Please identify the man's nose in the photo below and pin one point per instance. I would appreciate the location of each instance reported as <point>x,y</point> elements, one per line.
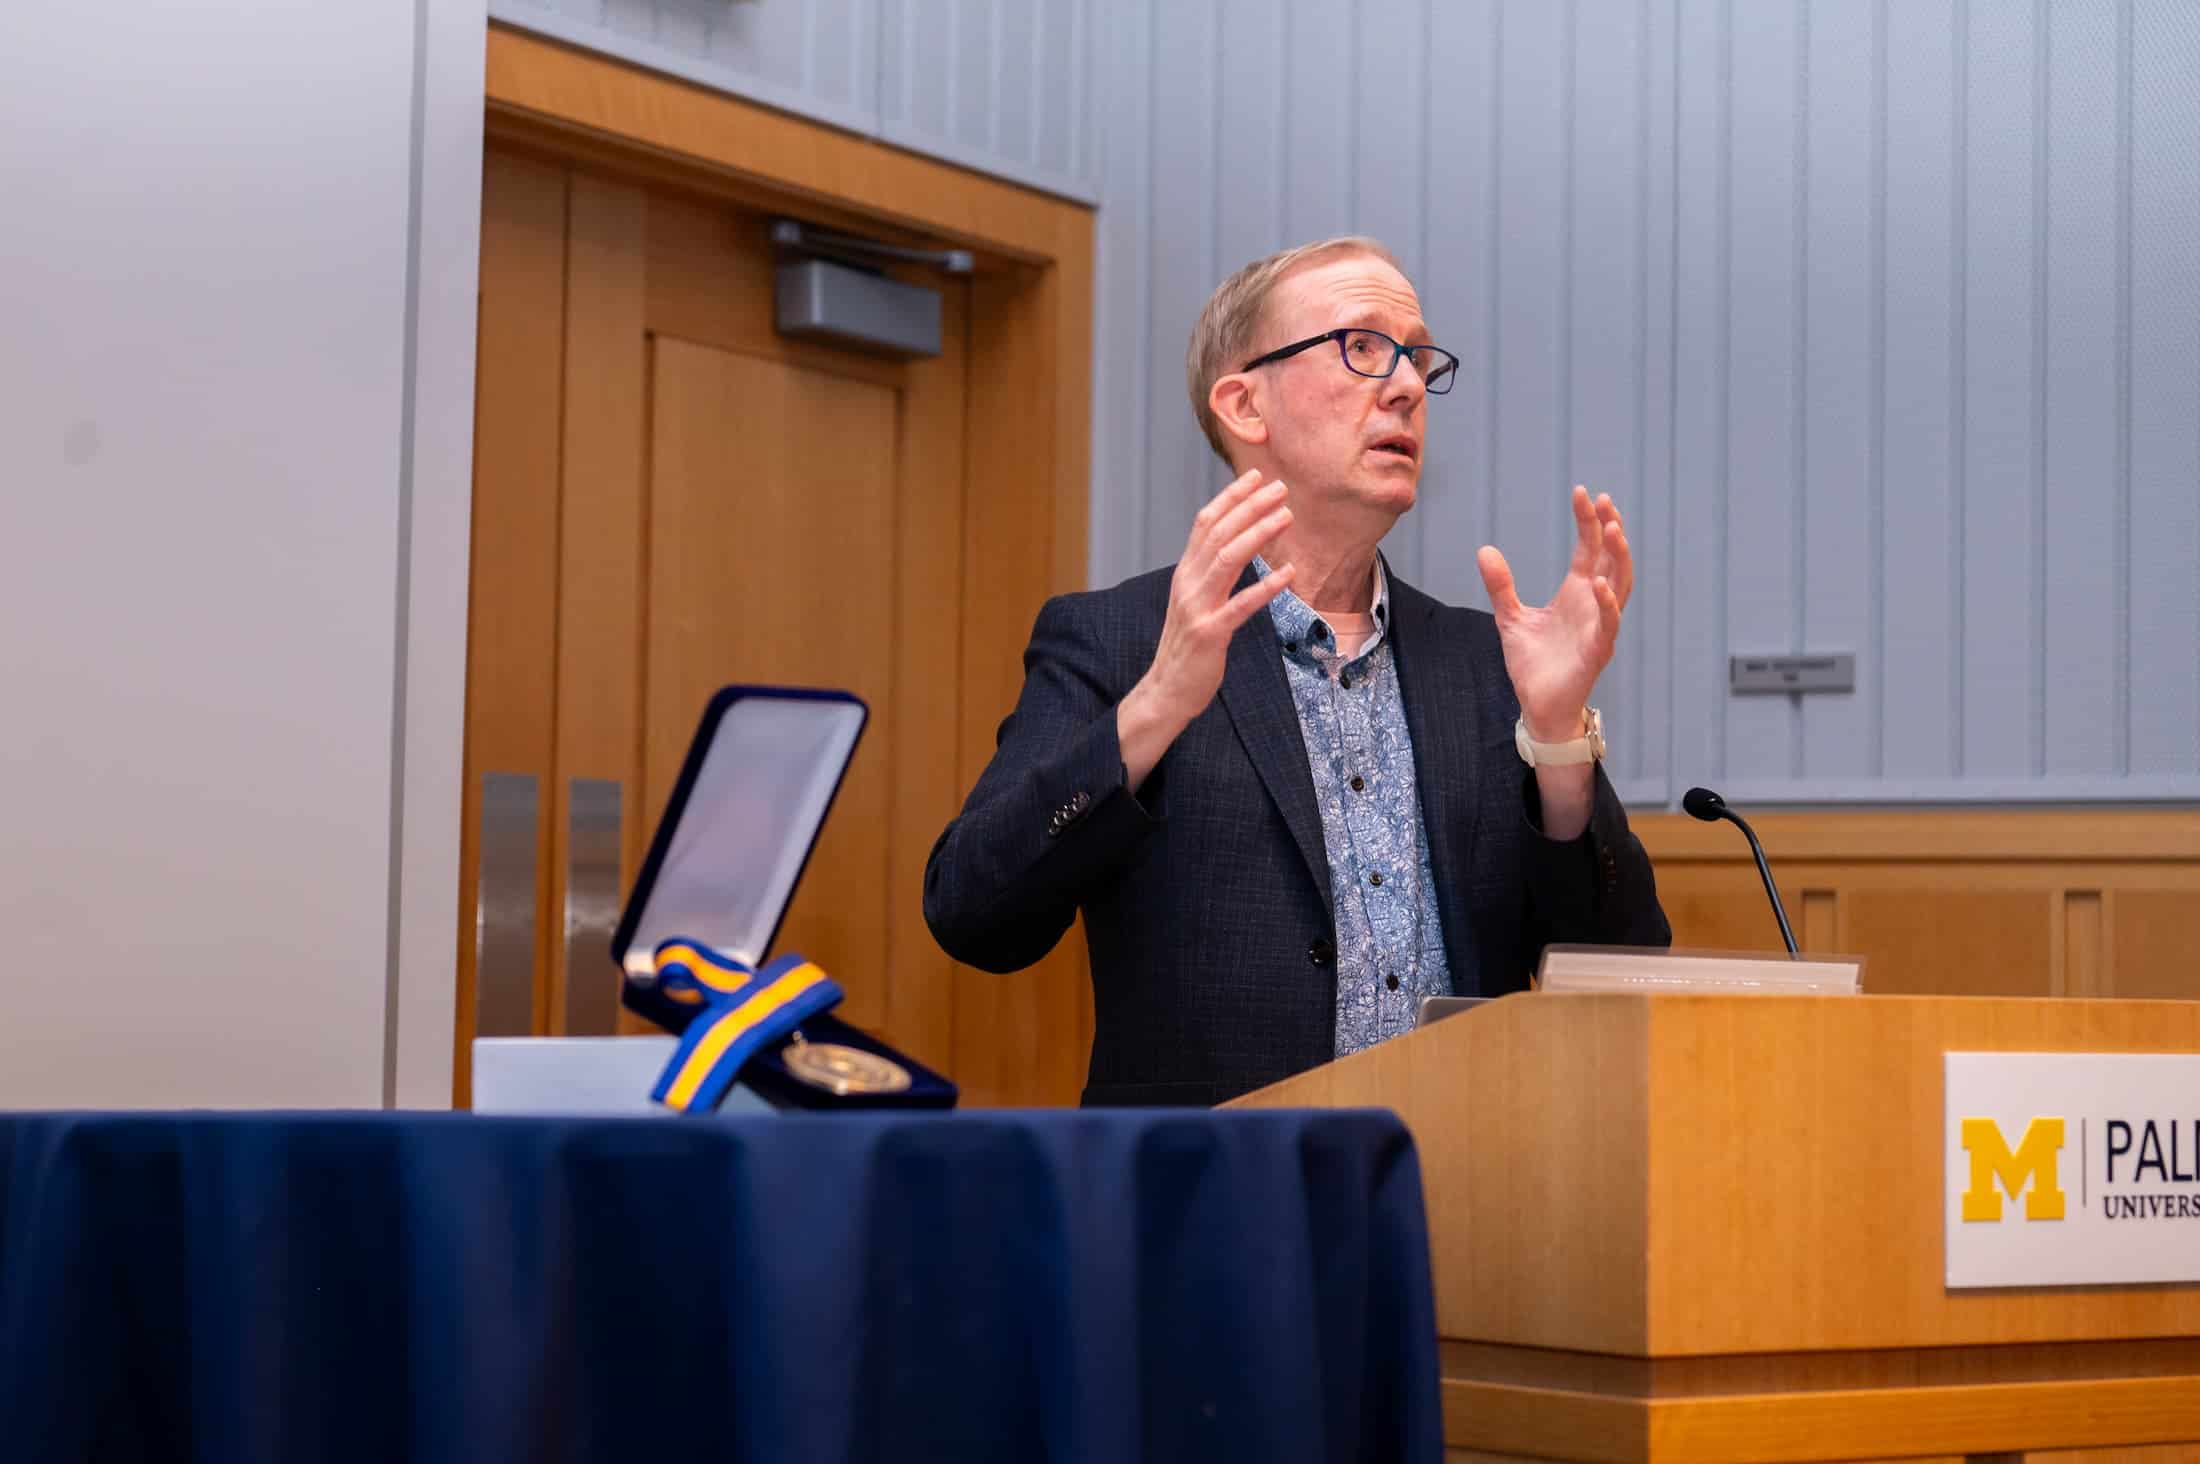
<point>1403,388</point>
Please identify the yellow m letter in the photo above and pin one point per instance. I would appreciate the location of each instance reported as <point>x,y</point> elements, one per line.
<point>2034,1160</point>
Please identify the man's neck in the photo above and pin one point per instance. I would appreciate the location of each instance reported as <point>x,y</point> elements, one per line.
<point>1330,578</point>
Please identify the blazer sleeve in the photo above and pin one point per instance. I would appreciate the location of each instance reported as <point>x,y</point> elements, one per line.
<point>1596,889</point>
<point>1050,815</point>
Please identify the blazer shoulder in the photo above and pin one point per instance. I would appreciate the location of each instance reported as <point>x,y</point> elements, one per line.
<point>1120,608</point>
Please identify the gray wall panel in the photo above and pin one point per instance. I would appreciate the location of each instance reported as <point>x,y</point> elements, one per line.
<point>1458,296</point>
<point>1315,105</point>
<point>1532,249</point>
<point>1881,319</point>
<point>1181,470</point>
<point>1700,398</point>
<point>1999,482</point>
<point>1601,430</point>
<point>2162,583</point>
<point>969,90</point>
<point>1764,389</point>
<point>1125,367</point>
<point>1250,159</point>
<point>1835,581</point>
<point>1922,380</point>
<point>2081,328</point>
<point>999,86</point>
<point>1013,124</point>
<point>815,57</point>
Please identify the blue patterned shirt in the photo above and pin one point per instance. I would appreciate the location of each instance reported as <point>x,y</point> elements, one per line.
<point>1390,943</point>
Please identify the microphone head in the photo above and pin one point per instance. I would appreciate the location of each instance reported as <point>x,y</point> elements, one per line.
<point>1704,804</point>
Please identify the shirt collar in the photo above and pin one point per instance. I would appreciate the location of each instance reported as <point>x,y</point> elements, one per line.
<point>1306,635</point>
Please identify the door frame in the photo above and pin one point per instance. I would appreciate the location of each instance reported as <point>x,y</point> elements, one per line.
<point>1028,390</point>
<point>1034,251</point>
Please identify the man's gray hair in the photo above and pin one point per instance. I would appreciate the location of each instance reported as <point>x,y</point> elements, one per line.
<point>1225,335</point>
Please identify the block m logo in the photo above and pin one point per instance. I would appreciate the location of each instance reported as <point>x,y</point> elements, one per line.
<point>2034,1160</point>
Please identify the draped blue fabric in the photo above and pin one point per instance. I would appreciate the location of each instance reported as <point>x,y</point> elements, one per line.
<point>1126,1286</point>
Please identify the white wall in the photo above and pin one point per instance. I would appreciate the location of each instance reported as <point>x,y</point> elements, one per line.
<point>234,435</point>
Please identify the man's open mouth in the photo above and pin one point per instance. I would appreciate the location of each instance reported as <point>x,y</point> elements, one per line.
<point>1404,447</point>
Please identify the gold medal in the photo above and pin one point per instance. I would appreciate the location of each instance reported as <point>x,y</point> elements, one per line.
<point>841,1070</point>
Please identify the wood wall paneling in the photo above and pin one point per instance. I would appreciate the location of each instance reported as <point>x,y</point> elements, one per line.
<point>2076,903</point>
<point>600,548</point>
<point>2150,945</point>
<point>511,667</point>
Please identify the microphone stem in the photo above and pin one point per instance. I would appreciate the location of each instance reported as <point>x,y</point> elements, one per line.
<point>1764,870</point>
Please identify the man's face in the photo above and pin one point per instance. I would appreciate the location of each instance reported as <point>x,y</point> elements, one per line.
<point>1340,439</point>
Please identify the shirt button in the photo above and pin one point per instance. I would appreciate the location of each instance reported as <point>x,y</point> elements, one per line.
<point>1391,980</point>
<point>1359,784</point>
<point>1344,679</point>
<point>1376,878</point>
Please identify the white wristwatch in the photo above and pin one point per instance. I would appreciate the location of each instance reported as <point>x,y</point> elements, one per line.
<point>1588,747</point>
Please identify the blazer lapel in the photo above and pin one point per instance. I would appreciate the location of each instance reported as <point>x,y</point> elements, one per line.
<point>1442,698</point>
<point>1257,695</point>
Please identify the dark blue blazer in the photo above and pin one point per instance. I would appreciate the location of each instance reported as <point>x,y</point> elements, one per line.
<point>1206,894</point>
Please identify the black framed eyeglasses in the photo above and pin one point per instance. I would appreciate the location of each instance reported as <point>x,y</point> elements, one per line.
<point>1371,353</point>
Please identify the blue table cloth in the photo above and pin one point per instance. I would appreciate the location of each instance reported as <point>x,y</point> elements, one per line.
<point>965,1287</point>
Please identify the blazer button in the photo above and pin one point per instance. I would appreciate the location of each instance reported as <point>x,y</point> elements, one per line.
<point>1322,951</point>
<point>1081,802</point>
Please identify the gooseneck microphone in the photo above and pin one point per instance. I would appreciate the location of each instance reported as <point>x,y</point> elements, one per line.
<point>1710,807</point>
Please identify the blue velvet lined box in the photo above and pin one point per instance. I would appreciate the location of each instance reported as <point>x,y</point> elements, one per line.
<point>743,819</point>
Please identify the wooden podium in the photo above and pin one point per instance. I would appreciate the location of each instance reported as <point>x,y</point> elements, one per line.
<point>1711,1228</point>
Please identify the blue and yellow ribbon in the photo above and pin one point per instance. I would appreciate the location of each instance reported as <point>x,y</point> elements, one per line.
<point>742,1012</point>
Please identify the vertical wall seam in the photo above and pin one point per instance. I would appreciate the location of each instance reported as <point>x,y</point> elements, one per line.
<point>1213,97</point>
<point>1348,174</point>
<point>1082,160</point>
<point>1673,417</point>
<point>1147,549</point>
<point>1637,672</point>
<point>1568,269</point>
<point>951,107</point>
<point>1279,128</point>
<point>1959,193</point>
<point>1493,331</point>
<point>1034,130</point>
<point>1799,384</point>
<point>1424,130</point>
<point>2121,712</point>
<point>2042,294</point>
<point>997,34</point>
<point>908,67</point>
<point>1876,448</point>
<point>1725,376</point>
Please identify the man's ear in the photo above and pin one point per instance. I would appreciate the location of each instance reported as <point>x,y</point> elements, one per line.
<point>1237,408</point>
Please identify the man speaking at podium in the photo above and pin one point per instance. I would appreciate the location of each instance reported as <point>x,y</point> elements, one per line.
<point>1292,795</point>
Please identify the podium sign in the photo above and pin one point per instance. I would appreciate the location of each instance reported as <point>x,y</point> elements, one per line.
<point>2072,1168</point>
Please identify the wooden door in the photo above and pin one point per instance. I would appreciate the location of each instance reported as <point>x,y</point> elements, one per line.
<point>671,497</point>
